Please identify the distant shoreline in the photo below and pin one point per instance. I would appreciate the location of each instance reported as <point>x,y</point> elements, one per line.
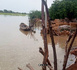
<point>13,14</point>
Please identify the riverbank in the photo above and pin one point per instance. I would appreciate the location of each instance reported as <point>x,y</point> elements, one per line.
<point>60,26</point>
<point>14,14</point>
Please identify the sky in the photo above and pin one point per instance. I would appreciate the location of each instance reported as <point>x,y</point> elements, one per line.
<point>22,5</point>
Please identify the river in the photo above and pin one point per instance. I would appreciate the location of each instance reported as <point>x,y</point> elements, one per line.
<point>18,48</point>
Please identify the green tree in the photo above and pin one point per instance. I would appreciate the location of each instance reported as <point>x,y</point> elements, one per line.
<point>35,14</point>
<point>1,11</point>
<point>63,8</point>
<point>5,11</point>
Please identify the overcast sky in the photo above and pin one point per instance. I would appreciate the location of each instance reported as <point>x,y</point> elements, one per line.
<point>22,5</point>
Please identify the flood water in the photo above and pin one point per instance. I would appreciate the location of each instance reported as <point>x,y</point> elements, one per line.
<point>18,48</point>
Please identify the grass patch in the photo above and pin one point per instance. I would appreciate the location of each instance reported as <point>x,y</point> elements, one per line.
<point>13,14</point>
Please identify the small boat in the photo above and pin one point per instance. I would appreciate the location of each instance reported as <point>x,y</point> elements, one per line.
<point>24,27</point>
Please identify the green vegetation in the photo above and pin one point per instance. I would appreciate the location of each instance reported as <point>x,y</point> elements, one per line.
<point>13,14</point>
<point>35,14</point>
<point>63,8</point>
<point>60,9</point>
<point>9,12</point>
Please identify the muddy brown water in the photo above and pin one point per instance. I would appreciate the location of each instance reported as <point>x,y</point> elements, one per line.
<point>18,48</point>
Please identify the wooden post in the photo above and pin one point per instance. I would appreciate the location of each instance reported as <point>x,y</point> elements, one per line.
<point>70,36</point>
<point>67,55</point>
<point>45,39</point>
<point>42,52</point>
<point>19,68</point>
<point>51,35</point>
<point>45,16</point>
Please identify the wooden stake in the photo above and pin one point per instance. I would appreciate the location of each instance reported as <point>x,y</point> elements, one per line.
<point>67,55</point>
<point>48,62</point>
<point>45,39</point>
<point>51,35</point>
<point>19,68</point>
<point>70,36</point>
<point>29,66</point>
